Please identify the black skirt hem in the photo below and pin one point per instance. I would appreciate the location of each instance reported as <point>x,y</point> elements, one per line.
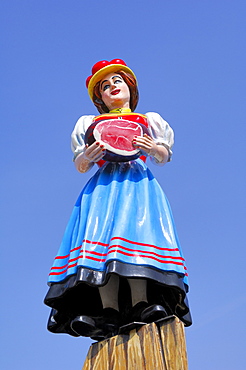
<point>79,295</point>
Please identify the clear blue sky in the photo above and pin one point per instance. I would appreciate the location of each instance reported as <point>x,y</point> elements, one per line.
<point>189,57</point>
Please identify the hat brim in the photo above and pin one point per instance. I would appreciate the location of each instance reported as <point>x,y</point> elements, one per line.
<point>105,70</point>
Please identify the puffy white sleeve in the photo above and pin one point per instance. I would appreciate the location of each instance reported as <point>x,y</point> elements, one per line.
<point>160,131</point>
<point>78,134</point>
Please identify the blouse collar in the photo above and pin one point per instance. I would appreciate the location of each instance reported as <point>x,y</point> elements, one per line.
<point>120,110</point>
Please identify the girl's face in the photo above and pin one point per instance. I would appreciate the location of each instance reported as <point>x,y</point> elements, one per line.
<point>114,91</point>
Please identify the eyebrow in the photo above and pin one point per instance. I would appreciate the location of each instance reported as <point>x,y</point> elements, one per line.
<point>116,76</point>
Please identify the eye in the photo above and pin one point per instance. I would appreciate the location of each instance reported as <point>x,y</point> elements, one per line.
<point>117,81</point>
<point>105,87</point>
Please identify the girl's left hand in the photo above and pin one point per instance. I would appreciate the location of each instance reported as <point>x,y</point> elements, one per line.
<point>145,143</point>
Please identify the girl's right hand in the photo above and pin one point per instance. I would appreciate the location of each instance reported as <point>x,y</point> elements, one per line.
<point>94,152</point>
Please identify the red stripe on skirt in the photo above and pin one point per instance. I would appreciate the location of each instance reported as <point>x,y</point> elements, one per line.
<point>142,255</point>
<point>114,238</point>
<point>140,251</point>
<point>66,267</point>
<point>145,245</point>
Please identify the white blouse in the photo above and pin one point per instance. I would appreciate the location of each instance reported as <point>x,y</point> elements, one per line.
<point>159,129</point>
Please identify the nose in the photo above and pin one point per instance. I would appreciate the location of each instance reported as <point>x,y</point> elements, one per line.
<point>112,85</point>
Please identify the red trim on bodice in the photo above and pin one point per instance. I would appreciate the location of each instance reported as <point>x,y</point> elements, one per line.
<point>134,117</point>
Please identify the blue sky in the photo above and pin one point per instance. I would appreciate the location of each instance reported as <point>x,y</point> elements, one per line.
<point>189,57</point>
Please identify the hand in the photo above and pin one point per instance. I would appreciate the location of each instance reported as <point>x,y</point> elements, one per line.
<point>94,152</point>
<point>145,143</point>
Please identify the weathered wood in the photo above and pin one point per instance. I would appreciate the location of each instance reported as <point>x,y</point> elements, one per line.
<point>174,345</point>
<point>156,346</point>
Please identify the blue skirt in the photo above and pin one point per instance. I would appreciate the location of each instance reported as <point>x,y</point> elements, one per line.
<point>121,223</point>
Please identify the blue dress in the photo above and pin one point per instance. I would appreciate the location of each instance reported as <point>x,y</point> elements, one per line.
<point>121,224</point>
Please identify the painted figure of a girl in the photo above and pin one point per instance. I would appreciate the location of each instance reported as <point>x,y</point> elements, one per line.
<point>120,261</point>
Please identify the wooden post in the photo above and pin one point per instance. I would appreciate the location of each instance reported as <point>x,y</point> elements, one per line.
<point>156,346</point>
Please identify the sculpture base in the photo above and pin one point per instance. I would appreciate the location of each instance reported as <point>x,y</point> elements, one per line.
<point>159,345</point>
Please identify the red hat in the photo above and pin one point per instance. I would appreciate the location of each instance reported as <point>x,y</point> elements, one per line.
<point>104,67</point>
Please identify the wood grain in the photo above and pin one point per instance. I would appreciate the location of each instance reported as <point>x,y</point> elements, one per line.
<point>156,346</point>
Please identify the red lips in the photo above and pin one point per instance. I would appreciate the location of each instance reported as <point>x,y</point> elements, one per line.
<point>115,92</point>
